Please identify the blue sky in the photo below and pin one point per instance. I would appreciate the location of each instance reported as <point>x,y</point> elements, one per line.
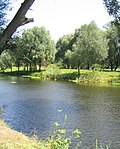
<point>61,17</point>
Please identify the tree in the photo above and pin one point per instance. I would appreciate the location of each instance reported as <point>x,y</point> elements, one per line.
<point>76,59</point>
<point>18,53</point>
<point>113,47</point>
<point>17,21</point>
<point>36,47</point>
<point>91,46</point>
<point>67,58</point>
<point>113,7</point>
<point>6,60</point>
<point>63,44</point>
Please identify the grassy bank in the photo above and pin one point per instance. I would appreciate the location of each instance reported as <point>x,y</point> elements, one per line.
<point>102,78</point>
<point>11,139</point>
<point>105,77</point>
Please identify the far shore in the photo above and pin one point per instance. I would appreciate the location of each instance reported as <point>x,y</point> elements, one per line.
<point>92,77</point>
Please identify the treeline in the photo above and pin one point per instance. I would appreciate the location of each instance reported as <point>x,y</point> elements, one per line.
<point>87,48</point>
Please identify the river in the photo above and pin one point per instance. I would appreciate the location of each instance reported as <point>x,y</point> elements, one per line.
<point>31,106</point>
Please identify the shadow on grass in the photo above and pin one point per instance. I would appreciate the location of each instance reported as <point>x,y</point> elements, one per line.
<point>69,76</point>
<point>15,73</point>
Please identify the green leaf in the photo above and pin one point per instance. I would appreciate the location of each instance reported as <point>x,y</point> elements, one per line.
<point>57,124</point>
<point>76,131</point>
<point>63,131</point>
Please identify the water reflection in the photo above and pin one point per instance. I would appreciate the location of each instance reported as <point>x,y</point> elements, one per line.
<point>32,105</point>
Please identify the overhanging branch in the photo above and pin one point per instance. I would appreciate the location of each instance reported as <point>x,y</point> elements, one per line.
<point>17,21</point>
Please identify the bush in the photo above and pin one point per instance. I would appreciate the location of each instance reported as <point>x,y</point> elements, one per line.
<point>52,71</point>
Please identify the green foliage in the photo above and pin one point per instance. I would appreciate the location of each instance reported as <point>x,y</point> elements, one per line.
<point>58,142</point>
<point>113,47</point>
<point>63,45</point>
<point>6,60</point>
<point>59,138</point>
<point>92,43</point>
<point>3,8</point>
<point>90,47</point>
<point>113,7</point>
<point>52,71</point>
<point>35,47</point>
<point>60,63</point>
<point>2,65</point>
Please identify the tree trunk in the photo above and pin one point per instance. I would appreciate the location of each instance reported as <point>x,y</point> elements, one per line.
<point>78,69</point>
<point>30,69</point>
<point>116,65</point>
<point>111,66</point>
<point>11,68</point>
<point>40,65</point>
<point>17,21</point>
<point>116,62</point>
<point>27,67</point>
<point>88,66</point>
<point>18,66</point>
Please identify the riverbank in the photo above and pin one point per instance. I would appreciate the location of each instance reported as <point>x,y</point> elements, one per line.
<point>92,77</point>
<point>11,139</point>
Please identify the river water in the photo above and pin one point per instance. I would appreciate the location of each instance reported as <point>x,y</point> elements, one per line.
<point>31,106</point>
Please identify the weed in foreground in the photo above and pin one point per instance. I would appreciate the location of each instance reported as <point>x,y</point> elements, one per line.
<point>60,139</point>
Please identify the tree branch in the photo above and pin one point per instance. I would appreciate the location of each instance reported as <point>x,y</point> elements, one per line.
<point>27,20</point>
<point>18,20</point>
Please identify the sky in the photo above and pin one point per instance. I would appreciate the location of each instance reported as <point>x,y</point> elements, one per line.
<point>62,17</point>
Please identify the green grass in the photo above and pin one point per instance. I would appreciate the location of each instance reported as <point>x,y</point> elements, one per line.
<point>99,77</point>
<point>105,77</point>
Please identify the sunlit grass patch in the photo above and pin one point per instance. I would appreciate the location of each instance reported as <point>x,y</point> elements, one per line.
<point>99,77</point>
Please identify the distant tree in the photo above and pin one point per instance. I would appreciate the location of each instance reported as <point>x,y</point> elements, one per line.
<point>6,60</point>
<point>63,44</point>
<point>37,47</point>
<point>2,65</point>
<point>113,47</point>
<point>76,59</point>
<point>91,46</point>
<point>18,52</point>
<point>67,58</point>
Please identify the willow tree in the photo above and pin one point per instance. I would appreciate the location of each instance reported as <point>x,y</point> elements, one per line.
<point>90,48</point>
<point>18,20</point>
